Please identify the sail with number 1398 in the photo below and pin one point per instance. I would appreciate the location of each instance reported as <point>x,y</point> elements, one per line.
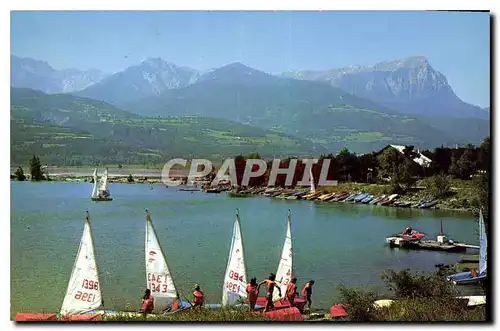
<point>84,292</point>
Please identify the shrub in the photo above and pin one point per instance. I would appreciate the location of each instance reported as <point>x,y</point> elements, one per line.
<point>19,174</point>
<point>404,285</point>
<point>359,303</point>
<point>417,298</point>
<point>439,185</point>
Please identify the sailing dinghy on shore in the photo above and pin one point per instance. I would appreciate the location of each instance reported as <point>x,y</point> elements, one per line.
<point>285,273</point>
<point>158,277</point>
<point>463,278</point>
<point>235,278</point>
<point>83,295</point>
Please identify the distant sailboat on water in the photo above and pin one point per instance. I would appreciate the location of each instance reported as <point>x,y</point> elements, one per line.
<point>311,178</point>
<point>101,194</point>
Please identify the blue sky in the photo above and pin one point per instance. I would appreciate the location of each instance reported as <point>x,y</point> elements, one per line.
<point>456,43</point>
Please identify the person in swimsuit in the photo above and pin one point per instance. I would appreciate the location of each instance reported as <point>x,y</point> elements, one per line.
<point>270,285</point>
<point>198,296</point>
<point>307,292</point>
<point>473,273</point>
<point>147,303</point>
<point>252,293</point>
<point>291,291</point>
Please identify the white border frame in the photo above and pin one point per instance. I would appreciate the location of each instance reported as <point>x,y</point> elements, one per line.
<point>194,5</point>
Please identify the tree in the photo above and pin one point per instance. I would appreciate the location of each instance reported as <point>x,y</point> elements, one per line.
<point>440,185</point>
<point>19,174</point>
<point>412,168</point>
<point>484,154</point>
<point>36,169</point>
<point>482,199</point>
<point>253,156</point>
<point>367,164</point>
<point>463,166</point>
<point>130,179</point>
<point>347,163</point>
<point>398,167</point>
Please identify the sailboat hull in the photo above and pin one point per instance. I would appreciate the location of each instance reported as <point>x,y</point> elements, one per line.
<point>464,278</point>
<point>184,305</point>
<point>238,306</point>
<point>286,314</point>
<point>30,317</point>
<point>284,303</point>
<point>102,199</point>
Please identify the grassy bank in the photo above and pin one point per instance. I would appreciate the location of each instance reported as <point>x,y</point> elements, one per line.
<point>416,298</point>
<point>201,315</point>
<point>462,193</point>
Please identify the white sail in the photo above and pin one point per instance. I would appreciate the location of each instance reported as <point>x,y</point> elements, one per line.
<point>84,288</point>
<point>311,178</point>
<point>284,273</point>
<point>104,181</point>
<point>158,278</point>
<point>94,190</point>
<point>235,282</point>
<point>483,245</point>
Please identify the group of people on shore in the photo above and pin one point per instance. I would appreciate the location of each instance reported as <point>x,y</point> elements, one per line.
<point>252,291</point>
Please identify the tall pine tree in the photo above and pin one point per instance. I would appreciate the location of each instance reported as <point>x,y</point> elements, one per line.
<point>36,168</point>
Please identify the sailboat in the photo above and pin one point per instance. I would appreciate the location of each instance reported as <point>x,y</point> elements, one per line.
<point>103,193</point>
<point>311,177</point>
<point>463,278</point>
<point>312,192</point>
<point>285,273</point>
<point>158,277</point>
<point>94,189</point>
<point>235,278</point>
<point>83,294</point>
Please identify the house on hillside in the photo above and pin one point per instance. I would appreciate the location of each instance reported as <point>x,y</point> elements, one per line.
<point>420,159</point>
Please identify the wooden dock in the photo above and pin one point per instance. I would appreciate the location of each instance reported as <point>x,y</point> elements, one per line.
<point>467,245</point>
<point>469,258</point>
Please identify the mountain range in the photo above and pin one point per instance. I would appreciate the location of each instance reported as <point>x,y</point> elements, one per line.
<point>362,108</point>
<point>39,75</point>
<point>64,129</point>
<point>410,85</point>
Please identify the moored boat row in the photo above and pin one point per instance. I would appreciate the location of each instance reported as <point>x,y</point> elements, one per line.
<point>345,197</point>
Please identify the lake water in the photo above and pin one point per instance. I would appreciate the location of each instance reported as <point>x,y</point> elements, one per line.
<point>333,242</point>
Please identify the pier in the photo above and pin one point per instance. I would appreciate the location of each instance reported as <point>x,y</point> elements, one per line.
<point>467,245</point>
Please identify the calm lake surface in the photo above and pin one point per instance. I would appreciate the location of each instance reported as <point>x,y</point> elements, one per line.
<point>333,242</point>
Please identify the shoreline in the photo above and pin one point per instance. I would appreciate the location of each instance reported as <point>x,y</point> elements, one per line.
<point>143,176</point>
